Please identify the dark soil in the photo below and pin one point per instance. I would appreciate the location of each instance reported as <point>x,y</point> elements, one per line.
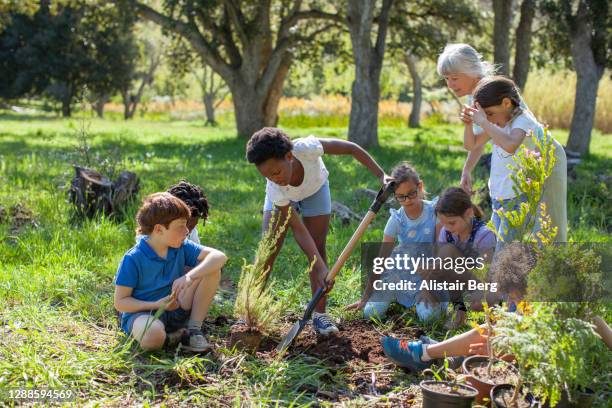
<point>355,350</point>
<point>449,389</point>
<point>501,372</point>
<point>244,338</point>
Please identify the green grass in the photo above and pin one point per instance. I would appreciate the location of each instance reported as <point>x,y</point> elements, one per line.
<point>57,323</point>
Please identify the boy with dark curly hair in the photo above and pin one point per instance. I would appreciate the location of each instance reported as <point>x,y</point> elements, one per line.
<point>296,176</point>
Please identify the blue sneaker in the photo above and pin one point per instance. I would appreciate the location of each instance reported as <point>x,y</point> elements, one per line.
<point>404,353</point>
<point>323,324</point>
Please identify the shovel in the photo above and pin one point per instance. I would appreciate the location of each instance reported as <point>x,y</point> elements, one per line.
<point>383,194</point>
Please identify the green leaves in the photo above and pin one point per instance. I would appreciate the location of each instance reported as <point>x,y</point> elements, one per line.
<point>528,174</point>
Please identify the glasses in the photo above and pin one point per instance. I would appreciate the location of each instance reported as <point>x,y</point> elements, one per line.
<point>408,196</point>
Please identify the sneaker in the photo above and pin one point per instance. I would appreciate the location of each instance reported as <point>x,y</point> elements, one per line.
<point>195,341</point>
<point>323,324</point>
<point>453,362</point>
<point>404,353</point>
<point>174,338</point>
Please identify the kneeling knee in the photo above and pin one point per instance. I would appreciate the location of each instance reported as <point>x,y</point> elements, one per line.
<point>153,338</point>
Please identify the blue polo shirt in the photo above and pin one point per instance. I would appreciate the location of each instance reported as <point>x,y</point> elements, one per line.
<point>152,276</point>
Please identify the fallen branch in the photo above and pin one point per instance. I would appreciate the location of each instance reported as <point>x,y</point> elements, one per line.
<point>345,213</point>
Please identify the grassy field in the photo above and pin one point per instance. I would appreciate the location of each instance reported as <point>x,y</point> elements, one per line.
<point>58,327</point>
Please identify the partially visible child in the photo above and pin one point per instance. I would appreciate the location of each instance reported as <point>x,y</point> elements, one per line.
<point>196,200</point>
<point>296,176</point>
<point>499,111</point>
<point>412,224</point>
<point>152,276</point>
<point>420,354</point>
<point>194,197</point>
<point>462,226</point>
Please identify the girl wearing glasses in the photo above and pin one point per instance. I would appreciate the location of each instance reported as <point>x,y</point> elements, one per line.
<point>413,226</point>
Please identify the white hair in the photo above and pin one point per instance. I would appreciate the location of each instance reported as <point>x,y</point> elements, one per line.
<point>463,59</point>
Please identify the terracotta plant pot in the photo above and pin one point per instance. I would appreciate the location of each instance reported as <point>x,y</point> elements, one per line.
<point>483,386</point>
<point>497,402</point>
<point>244,338</point>
<point>443,394</point>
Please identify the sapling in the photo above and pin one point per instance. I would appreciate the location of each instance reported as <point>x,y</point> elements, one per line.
<point>531,169</point>
<point>255,303</point>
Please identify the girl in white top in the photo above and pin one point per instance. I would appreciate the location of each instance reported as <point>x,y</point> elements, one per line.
<point>296,176</point>
<point>499,112</point>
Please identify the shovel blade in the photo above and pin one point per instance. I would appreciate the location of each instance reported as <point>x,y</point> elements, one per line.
<point>291,334</point>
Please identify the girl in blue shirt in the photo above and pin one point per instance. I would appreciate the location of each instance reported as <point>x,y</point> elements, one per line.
<point>413,226</point>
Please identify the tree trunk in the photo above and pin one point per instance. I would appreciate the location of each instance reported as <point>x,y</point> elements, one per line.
<point>414,120</point>
<point>523,44</point>
<point>66,109</point>
<point>99,108</point>
<point>588,72</point>
<point>249,109</point>
<point>501,34</point>
<point>276,92</point>
<point>251,59</point>
<point>98,103</point>
<point>209,107</point>
<point>365,91</point>
<point>126,97</point>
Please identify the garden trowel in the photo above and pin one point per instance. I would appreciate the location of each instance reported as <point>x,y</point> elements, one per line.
<point>382,196</point>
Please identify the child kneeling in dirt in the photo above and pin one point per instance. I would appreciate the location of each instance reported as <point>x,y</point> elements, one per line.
<point>414,226</point>
<point>152,276</point>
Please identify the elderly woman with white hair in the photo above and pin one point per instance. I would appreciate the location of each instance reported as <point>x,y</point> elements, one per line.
<point>463,67</point>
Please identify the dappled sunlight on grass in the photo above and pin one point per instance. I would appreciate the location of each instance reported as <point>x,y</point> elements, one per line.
<point>56,275</point>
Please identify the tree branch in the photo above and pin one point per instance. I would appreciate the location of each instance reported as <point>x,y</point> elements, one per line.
<point>192,34</point>
<point>383,25</point>
<point>223,34</point>
<point>297,16</point>
<point>238,20</point>
<point>274,62</point>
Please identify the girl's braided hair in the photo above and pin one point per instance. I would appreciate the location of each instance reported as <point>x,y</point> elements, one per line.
<point>193,196</point>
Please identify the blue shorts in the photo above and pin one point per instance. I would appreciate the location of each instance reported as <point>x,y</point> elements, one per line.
<point>174,320</point>
<point>317,204</point>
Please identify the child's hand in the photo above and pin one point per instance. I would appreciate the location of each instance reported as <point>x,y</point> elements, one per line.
<point>481,349</point>
<point>466,183</point>
<point>169,303</point>
<point>360,304</point>
<point>466,115</point>
<point>385,179</point>
<point>181,284</point>
<point>321,274</point>
<point>478,115</point>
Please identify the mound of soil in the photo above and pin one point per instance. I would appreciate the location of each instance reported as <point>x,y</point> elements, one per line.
<point>355,350</point>
<point>356,342</point>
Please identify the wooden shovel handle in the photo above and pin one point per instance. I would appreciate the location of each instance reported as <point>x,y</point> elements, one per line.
<point>383,195</point>
<point>331,275</point>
